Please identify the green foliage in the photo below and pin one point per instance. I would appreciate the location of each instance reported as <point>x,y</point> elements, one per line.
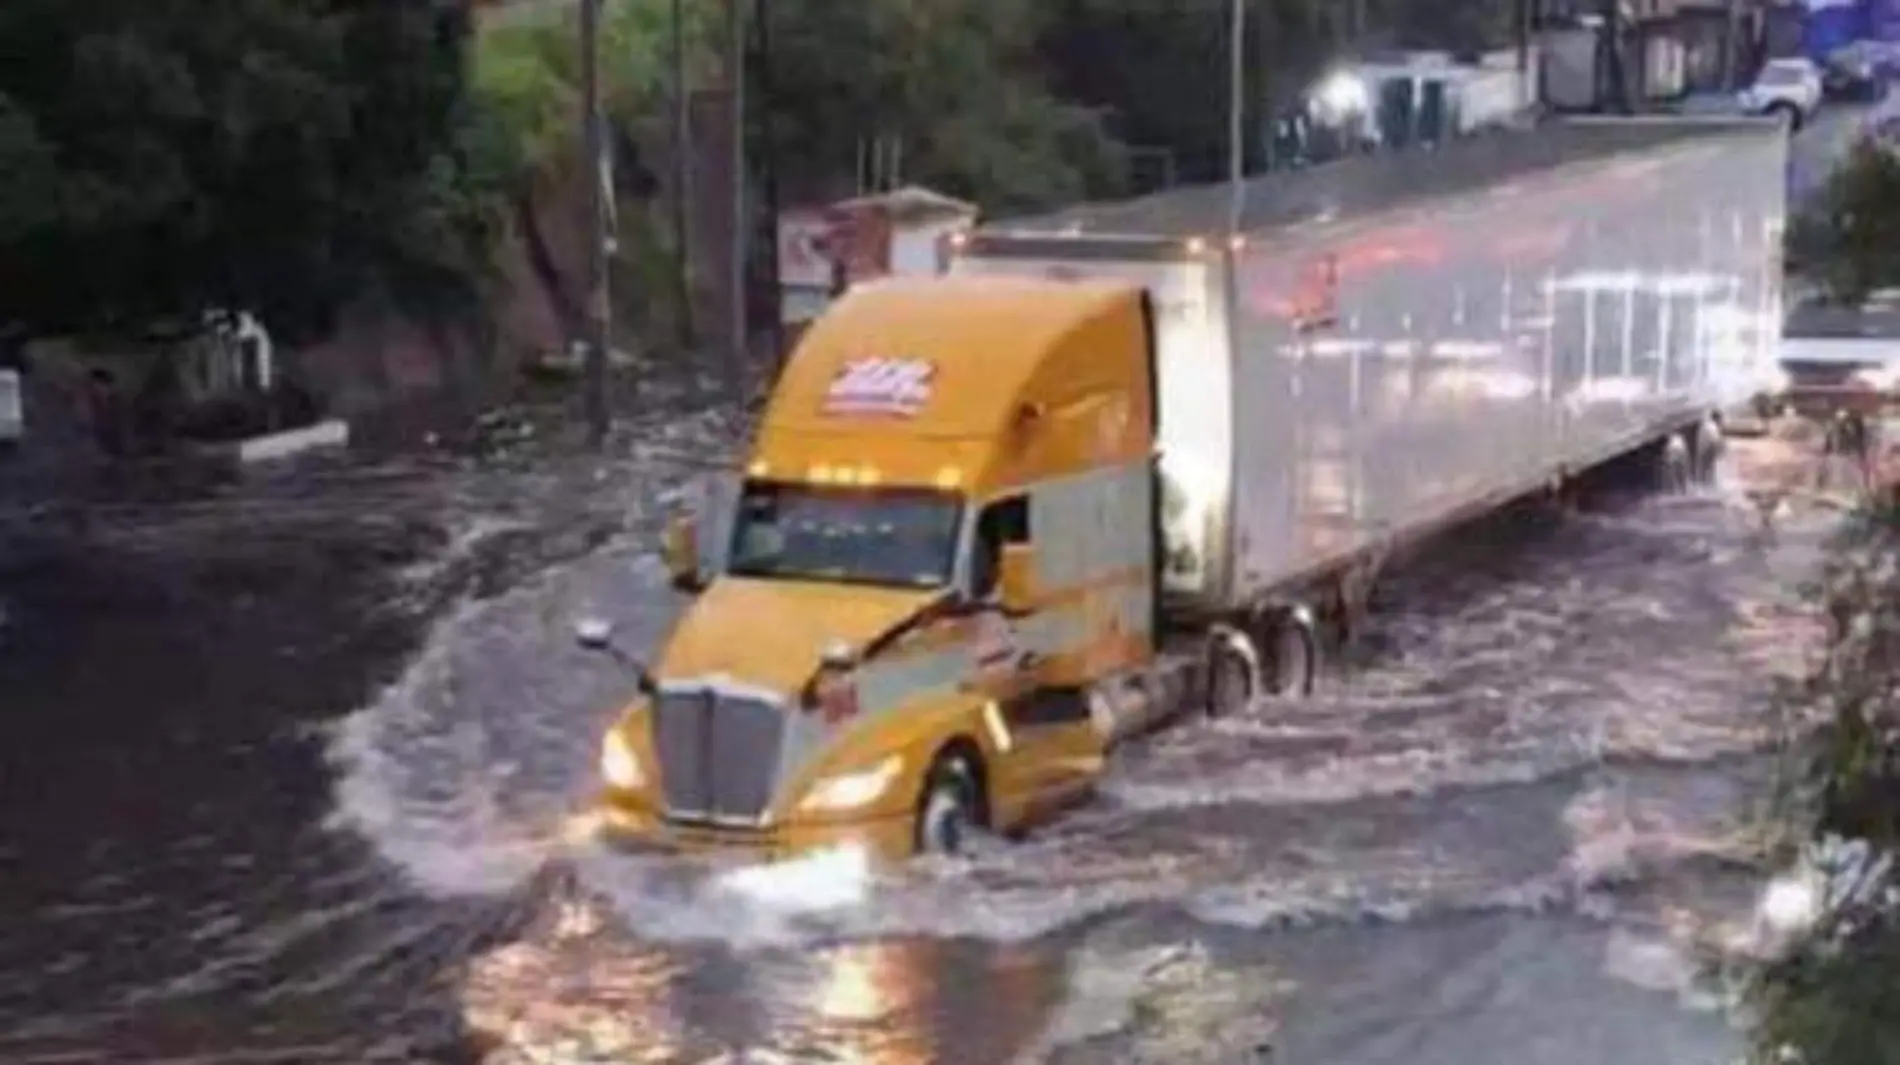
<point>1850,239</point>
<point>528,73</point>
<point>164,157</point>
<point>1832,997</point>
<point>159,158</point>
<point>953,82</point>
<point>1160,71</point>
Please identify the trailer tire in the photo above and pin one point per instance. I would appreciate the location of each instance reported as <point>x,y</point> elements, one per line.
<point>951,803</point>
<point>1233,672</point>
<point>1674,463</point>
<point>1293,663</point>
<point>1705,449</point>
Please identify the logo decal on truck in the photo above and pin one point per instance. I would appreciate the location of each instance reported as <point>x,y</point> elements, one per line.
<point>891,387</point>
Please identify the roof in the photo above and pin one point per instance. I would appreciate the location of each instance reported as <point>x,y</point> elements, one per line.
<point>1376,183</point>
<point>981,337</point>
<point>913,202</point>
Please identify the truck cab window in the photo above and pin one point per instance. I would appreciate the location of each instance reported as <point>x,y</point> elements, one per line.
<point>890,536</point>
<point>1005,521</point>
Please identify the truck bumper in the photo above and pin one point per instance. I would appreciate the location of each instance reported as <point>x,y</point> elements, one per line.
<point>643,831</point>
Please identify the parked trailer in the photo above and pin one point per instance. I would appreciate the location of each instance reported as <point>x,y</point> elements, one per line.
<point>1396,344</point>
<point>994,523</point>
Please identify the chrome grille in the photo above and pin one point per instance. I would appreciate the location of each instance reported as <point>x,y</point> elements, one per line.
<point>718,754</point>
<point>679,725</point>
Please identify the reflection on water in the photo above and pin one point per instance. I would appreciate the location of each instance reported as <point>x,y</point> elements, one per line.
<point>864,982</point>
<point>546,998</point>
<point>583,990</point>
<point>869,1004</point>
<point>1518,746</point>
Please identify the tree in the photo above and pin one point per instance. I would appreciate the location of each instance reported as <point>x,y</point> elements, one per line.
<point>1849,240</point>
<point>161,158</point>
<point>1159,70</point>
<point>954,82</point>
<point>527,75</point>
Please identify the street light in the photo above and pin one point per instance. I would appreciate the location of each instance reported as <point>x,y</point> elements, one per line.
<point>1236,97</point>
<point>1341,94</point>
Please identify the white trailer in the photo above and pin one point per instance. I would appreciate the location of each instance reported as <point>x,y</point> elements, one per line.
<point>1394,344</point>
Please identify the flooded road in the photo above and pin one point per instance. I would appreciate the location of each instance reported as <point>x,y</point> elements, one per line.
<point>291,774</point>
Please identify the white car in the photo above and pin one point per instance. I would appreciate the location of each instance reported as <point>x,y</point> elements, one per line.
<point>1786,87</point>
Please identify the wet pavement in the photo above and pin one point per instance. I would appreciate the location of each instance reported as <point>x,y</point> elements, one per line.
<point>291,772</point>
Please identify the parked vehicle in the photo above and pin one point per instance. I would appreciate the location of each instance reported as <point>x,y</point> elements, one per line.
<point>1118,465</point>
<point>1851,75</point>
<point>1789,88</point>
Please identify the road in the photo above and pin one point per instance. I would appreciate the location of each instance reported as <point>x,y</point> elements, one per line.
<point>291,774</point>
<point>1492,839</point>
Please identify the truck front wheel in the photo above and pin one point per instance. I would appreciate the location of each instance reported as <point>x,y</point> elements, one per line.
<point>950,806</point>
<point>1232,671</point>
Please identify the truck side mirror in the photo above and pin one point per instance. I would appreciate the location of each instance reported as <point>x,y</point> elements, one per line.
<point>1016,577</point>
<point>681,553</point>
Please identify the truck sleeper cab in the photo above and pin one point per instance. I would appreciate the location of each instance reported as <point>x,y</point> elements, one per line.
<point>942,555</point>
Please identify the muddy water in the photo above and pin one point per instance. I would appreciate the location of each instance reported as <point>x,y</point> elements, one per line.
<point>295,781</point>
<point>287,775</point>
<point>1491,840</point>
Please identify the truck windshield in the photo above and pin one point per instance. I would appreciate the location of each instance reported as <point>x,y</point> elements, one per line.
<point>891,536</point>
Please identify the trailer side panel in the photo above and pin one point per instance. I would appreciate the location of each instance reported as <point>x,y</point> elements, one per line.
<point>1398,371</point>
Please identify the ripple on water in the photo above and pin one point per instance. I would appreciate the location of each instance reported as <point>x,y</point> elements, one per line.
<point>1479,763</point>
<point>465,769</point>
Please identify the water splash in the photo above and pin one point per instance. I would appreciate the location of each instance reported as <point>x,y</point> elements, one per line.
<point>1523,677</point>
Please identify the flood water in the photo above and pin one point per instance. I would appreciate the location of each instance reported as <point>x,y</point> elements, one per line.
<point>289,773</point>
<point>292,774</point>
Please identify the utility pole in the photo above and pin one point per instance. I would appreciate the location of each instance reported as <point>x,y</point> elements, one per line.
<point>1522,18</point>
<point>600,246</point>
<point>735,81</point>
<point>1731,34</point>
<point>768,149</point>
<point>682,178</point>
<point>1236,115</point>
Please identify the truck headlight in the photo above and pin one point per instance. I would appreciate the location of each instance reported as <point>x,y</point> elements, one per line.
<point>848,791</point>
<point>618,765</point>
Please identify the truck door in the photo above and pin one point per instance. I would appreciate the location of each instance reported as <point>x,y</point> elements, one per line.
<point>1049,727</point>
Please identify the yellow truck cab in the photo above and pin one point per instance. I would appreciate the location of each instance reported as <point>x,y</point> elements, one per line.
<point>944,535</point>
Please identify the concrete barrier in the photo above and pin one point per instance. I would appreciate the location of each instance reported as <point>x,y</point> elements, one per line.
<point>325,434</point>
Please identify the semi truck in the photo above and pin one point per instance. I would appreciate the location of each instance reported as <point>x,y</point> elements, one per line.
<point>1133,460</point>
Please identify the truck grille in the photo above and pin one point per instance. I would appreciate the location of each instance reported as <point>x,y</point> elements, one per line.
<point>718,754</point>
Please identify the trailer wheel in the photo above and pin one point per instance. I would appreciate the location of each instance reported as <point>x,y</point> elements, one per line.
<point>1233,672</point>
<point>1292,668</point>
<point>1673,463</point>
<point>950,805</point>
